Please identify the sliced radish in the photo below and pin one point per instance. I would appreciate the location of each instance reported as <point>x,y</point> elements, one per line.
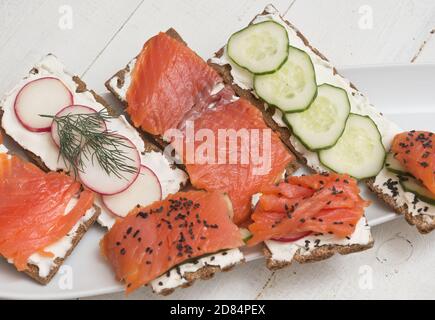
<point>73,109</point>
<point>44,96</point>
<point>144,191</point>
<point>96,178</point>
<point>293,237</point>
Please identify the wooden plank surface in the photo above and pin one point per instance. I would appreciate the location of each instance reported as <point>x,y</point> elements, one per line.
<point>107,33</point>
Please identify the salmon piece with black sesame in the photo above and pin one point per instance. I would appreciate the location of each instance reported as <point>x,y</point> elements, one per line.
<point>415,150</point>
<point>152,240</point>
<point>328,203</point>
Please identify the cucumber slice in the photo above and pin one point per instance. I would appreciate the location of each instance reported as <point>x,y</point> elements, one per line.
<point>393,165</point>
<point>260,48</point>
<point>413,185</point>
<point>292,87</point>
<point>322,124</point>
<point>359,152</point>
<point>246,234</point>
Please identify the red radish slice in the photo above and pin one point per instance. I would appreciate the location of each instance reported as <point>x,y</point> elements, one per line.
<point>73,109</point>
<point>96,178</point>
<point>144,191</point>
<point>44,96</point>
<point>293,237</point>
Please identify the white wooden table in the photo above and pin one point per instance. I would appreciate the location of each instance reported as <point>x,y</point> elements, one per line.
<point>105,34</point>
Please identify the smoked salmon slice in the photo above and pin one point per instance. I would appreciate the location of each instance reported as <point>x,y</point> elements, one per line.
<point>415,150</point>
<point>151,240</point>
<point>233,151</point>
<point>169,80</point>
<point>330,204</point>
<point>33,208</point>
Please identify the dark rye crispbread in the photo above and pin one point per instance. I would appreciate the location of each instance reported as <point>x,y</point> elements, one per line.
<point>318,254</point>
<point>423,223</point>
<point>33,270</point>
<point>204,273</point>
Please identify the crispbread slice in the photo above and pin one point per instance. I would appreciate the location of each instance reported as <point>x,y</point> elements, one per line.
<point>206,270</point>
<point>106,218</point>
<point>319,254</point>
<point>316,247</point>
<point>424,223</point>
<point>33,270</point>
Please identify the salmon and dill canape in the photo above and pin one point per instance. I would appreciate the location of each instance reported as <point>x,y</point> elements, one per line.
<point>42,216</point>
<point>306,218</point>
<point>62,125</point>
<point>410,173</point>
<point>172,242</point>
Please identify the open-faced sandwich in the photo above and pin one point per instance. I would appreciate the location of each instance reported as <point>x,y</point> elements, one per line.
<point>407,182</point>
<point>43,216</point>
<point>319,114</point>
<point>64,126</point>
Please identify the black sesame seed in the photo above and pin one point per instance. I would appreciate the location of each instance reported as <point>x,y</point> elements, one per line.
<point>424,164</point>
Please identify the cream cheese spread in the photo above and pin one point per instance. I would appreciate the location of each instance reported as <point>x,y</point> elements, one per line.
<point>177,276</point>
<point>285,252</point>
<point>121,91</point>
<point>389,183</point>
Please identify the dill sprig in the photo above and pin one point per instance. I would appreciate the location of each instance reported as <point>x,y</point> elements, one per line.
<point>81,138</point>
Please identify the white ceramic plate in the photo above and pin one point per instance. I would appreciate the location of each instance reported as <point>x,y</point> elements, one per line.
<point>402,93</point>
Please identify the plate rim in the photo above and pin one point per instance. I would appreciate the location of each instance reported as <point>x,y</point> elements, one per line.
<point>71,294</point>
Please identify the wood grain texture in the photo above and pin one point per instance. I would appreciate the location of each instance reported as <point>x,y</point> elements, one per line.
<point>30,30</point>
<point>107,33</point>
